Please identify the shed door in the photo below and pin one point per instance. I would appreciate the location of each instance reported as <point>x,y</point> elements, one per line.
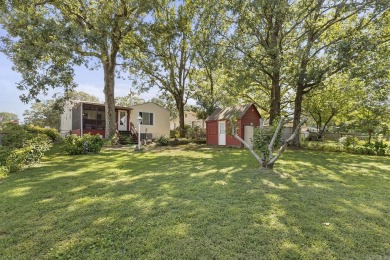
<point>222,133</point>
<point>122,120</point>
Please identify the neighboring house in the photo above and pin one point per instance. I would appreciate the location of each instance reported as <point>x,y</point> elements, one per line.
<point>191,119</point>
<point>155,120</point>
<point>81,117</point>
<point>219,120</point>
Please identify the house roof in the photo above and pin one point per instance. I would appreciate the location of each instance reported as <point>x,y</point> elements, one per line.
<point>229,112</point>
<point>98,104</point>
<point>133,106</point>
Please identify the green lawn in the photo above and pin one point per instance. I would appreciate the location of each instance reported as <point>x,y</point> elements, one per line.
<point>197,203</point>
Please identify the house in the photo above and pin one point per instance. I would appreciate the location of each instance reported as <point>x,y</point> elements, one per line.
<point>82,117</point>
<point>191,119</point>
<point>155,120</point>
<point>219,120</point>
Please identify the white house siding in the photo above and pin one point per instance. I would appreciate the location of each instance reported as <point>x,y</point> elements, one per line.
<point>190,118</point>
<point>66,119</point>
<point>160,125</point>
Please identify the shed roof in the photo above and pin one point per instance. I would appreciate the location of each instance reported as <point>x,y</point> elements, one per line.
<point>229,112</point>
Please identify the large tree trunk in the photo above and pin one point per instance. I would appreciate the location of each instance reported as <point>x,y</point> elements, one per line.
<point>275,80</point>
<point>109,86</point>
<point>297,112</point>
<point>180,108</point>
<point>274,112</point>
<point>300,88</point>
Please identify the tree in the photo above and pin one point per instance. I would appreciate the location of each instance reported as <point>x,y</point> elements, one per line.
<point>266,145</point>
<point>6,117</point>
<point>259,30</point>
<point>371,70</point>
<point>46,38</point>
<point>328,38</point>
<point>77,95</point>
<point>210,76</point>
<point>130,100</point>
<point>336,97</point>
<point>165,57</point>
<point>43,114</point>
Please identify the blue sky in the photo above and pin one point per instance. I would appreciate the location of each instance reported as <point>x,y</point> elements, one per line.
<point>87,81</point>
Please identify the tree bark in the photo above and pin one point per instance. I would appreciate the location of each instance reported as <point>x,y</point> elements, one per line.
<point>109,87</point>
<point>275,56</point>
<point>274,112</point>
<point>180,108</point>
<point>258,158</point>
<point>271,162</point>
<point>297,111</point>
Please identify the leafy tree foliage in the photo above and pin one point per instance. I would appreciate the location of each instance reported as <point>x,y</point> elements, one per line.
<point>6,117</point>
<point>47,38</point>
<point>164,56</point>
<point>335,98</point>
<point>130,100</point>
<point>283,49</point>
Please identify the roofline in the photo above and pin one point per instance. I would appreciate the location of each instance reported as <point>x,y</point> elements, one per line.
<point>149,103</point>
<point>246,110</point>
<point>98,104</point>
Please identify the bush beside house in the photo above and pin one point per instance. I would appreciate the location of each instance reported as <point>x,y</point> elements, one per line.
<point>23,146</point>
<point>74,144</point>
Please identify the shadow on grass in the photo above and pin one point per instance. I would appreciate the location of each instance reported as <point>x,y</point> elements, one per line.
<point>197,203</point>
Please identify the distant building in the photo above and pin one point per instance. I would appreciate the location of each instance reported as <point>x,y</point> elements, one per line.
<point>190,118</point>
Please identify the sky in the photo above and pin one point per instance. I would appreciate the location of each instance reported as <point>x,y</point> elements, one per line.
<point>88,81</point>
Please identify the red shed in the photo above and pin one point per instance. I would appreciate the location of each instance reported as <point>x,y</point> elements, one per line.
<point>217,122</point>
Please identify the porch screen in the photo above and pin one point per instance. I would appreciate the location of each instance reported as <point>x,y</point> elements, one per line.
<point>76,118</point>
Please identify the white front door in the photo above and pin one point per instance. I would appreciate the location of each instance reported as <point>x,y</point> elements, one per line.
<point>221,133</point>
<point>122,120</point>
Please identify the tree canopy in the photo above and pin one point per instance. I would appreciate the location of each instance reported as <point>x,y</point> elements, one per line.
<point>301,57</point>
<point>47,38</point>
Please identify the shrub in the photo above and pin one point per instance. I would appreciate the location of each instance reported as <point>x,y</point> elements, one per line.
<point>181,141</point>
<point>92,143</point>
<point>195,133</point>
<point>13,159</point>
<point>379,147</point>
<point>15,135</point>
<point>324,146</point>
<point>347,141</point>
<point>173,134</point>
<point>74,144</point>
<point>52,133</point>
<point>162,141</point>
<point>176,133</point>
<point>263,136</point>
<point>3,171</point>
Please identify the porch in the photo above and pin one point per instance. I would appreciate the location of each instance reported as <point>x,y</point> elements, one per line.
<point>90,118</point>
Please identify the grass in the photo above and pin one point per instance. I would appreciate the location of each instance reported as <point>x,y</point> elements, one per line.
<point>197,203</point>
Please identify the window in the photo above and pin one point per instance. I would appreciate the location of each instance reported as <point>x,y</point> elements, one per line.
<point>147,118</point>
